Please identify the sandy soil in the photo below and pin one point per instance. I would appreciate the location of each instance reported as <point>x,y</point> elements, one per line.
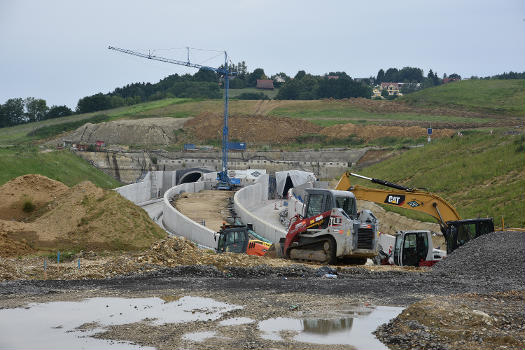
<point>35,188</point>
<point>250,129</point>
<point>147,131</point>
<point>372,132</point>
<point>208,205</point>
<point>81,217</point>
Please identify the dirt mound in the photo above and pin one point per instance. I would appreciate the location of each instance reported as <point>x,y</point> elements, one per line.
<point>252,129</point>
<point>88,217</point>
<point>180,251</point>
<point>9,246</point>
<point>372,132</point>
<point>465,321</point>
<point>148,131</point>
<point>35,189</point>
<point>82,217</point>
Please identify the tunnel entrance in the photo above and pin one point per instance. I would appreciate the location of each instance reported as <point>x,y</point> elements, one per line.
<point>190,177</point>
<point>287,185</point>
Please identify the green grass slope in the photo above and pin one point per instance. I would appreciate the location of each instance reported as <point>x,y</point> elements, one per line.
<point>491,96</point>
<point>63,166</point>
<point>481,175</point>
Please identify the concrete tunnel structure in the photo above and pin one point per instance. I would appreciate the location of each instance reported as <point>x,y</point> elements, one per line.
<point>190,175</point>
<point>155,193</point>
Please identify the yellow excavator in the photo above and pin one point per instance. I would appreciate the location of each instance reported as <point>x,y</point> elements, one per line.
<point>455,230</point>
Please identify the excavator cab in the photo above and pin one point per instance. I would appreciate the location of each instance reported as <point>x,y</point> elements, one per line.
<point>236,239</point>
<point>233,239</point>
<point>411,248</point>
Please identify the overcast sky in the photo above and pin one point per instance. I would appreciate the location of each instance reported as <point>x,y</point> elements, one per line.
<point>57,49</point>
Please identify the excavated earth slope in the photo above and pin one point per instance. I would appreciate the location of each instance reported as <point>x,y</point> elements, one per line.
<point>250,129</point>
<point>372,132</point>
<point>149,131</point>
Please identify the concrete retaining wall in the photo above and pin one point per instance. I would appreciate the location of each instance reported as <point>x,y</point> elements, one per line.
<point>247,197</point>
<point>179,224</point>
<point>138,192</point>
<point>153,186</point>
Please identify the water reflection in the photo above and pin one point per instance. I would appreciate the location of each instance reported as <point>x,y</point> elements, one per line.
<point>320,326</point>
<point>71,325</point>
<point>335,329</point>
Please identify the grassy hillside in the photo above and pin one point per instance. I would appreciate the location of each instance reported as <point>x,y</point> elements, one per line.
<point>492,96</point>
<point>327,113</point>
<point>63,166</point>
<point>481,175</point>
<point>236,92</point>
<point>24,133</point>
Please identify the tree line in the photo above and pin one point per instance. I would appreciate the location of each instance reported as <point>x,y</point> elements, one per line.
<point>204,84</point>
<point>207,84</point>
<point>20,111</point>
<point>336,85</point>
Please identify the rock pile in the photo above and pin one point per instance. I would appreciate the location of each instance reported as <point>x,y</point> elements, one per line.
<point>496,259</point>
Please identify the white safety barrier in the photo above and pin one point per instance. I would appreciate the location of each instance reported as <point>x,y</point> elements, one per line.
<point>181,225</point>
<point>247,197</point>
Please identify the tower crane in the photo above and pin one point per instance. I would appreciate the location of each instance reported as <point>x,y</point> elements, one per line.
<point>225,182</point>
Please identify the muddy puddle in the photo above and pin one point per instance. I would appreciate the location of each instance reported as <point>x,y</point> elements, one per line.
<point>71,325</point>
<point>353,326</point>
<point>79,324</point>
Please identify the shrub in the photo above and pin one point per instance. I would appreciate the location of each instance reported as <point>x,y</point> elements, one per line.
<point>28,205</point>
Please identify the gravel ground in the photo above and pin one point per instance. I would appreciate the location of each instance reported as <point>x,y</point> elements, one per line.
<point>472,276</point>
<point>497,258</point>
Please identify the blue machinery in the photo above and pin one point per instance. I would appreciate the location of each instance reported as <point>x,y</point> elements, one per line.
<point>225,182</point>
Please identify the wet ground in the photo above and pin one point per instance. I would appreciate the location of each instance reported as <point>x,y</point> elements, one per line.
<point>190,322</point>
<point>473,299</point>
<point>261,307</point>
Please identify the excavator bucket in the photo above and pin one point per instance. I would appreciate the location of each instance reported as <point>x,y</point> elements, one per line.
<point>275,251</point>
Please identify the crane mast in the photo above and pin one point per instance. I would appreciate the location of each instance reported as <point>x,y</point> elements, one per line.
<point>224,180</point>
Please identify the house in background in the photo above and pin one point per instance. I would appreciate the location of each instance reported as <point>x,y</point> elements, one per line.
<point>265,84</point>
<point>392,88</point>
<point>450,80</point>
<point>376,93</point>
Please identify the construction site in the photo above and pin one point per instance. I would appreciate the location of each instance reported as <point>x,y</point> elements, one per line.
<point>282,258</point>
<point>230,231</point>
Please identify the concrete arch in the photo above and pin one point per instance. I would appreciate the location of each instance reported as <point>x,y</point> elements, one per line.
<point>190,175</point>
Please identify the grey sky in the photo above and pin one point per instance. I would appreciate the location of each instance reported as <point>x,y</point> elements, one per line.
<point>57,49</point>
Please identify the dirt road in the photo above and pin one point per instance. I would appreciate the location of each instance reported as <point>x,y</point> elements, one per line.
<point>208,207</point>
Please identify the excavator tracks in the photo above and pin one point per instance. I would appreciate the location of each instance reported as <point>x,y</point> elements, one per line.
<point>319,252</point>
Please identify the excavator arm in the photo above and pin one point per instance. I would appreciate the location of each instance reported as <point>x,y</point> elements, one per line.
<point>403,197</point>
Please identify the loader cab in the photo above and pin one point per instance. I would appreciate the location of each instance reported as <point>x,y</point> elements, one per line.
<point>233,238</point>
<point>461,231</point>
<point>411,248</point>
<point>319,201</point>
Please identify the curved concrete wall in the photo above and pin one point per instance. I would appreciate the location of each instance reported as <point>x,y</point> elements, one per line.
<point>153,186</point>
<point>138,192</point>
<point>247,197</point>
<point>179,224</point>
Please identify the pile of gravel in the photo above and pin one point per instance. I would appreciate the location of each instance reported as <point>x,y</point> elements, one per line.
<point>495,257</point>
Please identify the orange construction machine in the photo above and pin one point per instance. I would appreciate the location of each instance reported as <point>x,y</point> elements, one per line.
<point>236,239</point>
